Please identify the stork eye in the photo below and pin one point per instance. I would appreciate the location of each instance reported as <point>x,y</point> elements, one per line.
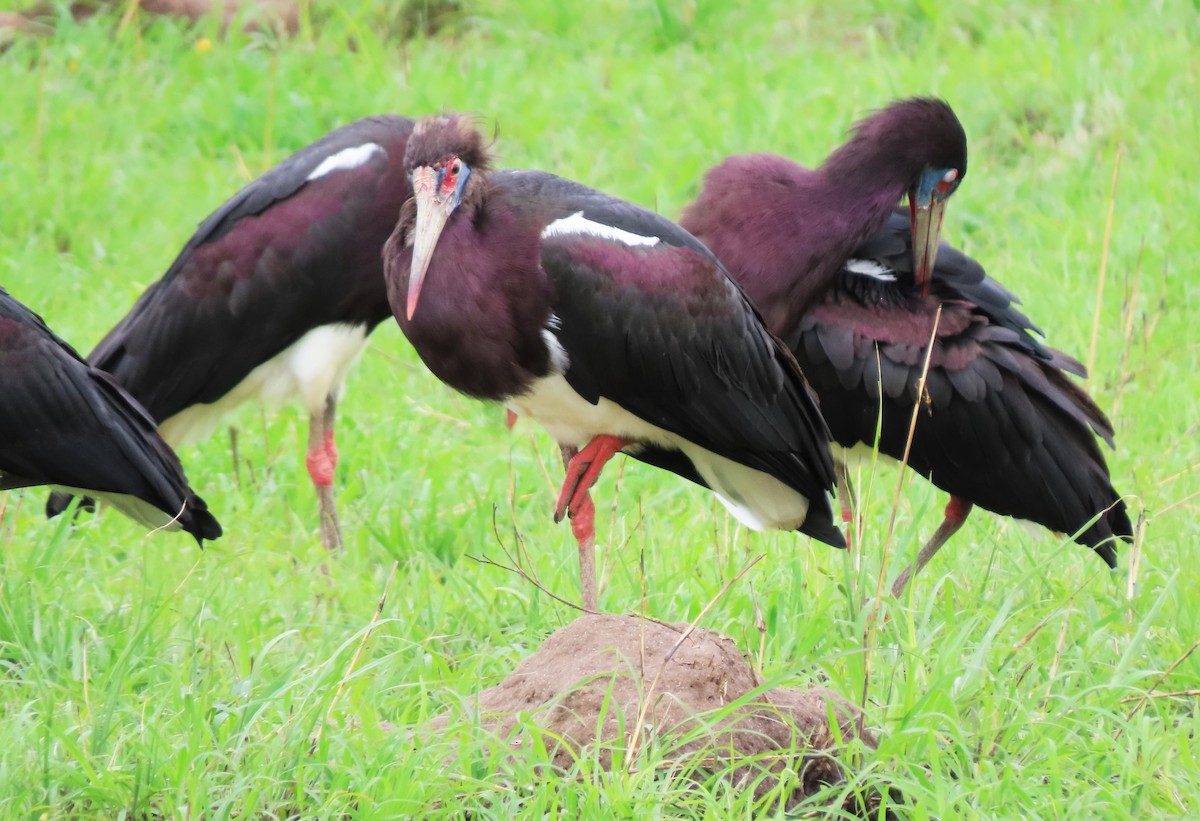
<point>947,180</point>
<point>450,169</point>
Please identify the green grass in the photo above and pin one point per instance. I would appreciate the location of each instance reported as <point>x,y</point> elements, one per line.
<point>140,678</point>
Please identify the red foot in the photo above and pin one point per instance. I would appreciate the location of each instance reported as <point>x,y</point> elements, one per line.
<point>583,471</point>
<point>321,464</point>
<point>583,521</point>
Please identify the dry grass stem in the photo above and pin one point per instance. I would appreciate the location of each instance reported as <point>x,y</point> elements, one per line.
<point>362,643</point>
<point>1108,220</point>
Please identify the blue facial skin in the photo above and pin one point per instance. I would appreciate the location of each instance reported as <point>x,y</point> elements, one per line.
<point>927,187</point>
<point>463,173</point>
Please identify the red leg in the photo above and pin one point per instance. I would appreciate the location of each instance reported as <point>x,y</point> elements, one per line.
<point>957,510</point>
<point>846,500</point>
<point>583,525</point>
<point>321,465</point>
<point>583,470</point>
<point>331,451</point>
<point>510,418</point>
<point>321,459</point>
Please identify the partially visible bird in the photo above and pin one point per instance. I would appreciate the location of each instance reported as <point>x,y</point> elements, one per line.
<point>854,288</point>
<point>68,424</point>
<point>272,298</point>
<point>611,326</point>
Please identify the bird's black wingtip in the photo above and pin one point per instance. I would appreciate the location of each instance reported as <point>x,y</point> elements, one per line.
<point>1115,527</point>
<point>1107,552</point>
<point>1122,528</point>
<point>200,523</point>
<point>823,529</point>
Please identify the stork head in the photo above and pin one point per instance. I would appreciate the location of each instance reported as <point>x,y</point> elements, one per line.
<point>920,144</point>
<point>442,156</point>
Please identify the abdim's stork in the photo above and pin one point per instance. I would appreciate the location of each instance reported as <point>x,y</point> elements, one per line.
<point>610,325</point>
<point>273,297</point>
<point>65,423</point>
<point>853,288</point>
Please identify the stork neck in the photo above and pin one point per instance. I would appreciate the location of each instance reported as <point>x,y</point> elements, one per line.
<point>818,228</point>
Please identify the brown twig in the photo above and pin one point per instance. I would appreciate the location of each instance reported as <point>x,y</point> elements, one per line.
<point>1179,502</point>
<point>1145,696</point>
<point>1173,694</point>
<point>1028,637</point>
<point>517,567</point>
<point>1058,650</point>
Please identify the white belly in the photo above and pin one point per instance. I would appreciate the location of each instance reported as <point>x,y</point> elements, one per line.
<point>756,499</point>
<point>312,368</point>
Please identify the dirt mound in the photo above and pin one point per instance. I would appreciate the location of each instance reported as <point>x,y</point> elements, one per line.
<point>595,674</point>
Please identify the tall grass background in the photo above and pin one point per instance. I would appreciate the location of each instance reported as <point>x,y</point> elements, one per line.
<point>141,678</point>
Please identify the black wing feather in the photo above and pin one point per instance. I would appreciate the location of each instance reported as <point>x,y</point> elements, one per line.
<point>665,333</point>
<point>282,256</point>
<point>64,422</point>
<point>1004,428</point>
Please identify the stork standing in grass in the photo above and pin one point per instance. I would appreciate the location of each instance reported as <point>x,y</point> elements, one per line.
<point>611,326</point>
<point>65,423</point>
<point>272,298</point>
<point>854,288</point>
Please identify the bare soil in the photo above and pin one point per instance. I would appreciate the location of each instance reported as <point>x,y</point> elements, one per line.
<point>586,686</point>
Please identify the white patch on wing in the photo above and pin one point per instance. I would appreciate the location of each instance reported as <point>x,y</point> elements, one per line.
<point>559,361</point>
<point>312,368</point>
<point>577,223</point>
<point>756,499</point>
<point>870,268</point>
<point>346,159</point>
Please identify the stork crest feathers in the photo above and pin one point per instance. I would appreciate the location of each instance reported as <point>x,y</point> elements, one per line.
<point>435,139</point>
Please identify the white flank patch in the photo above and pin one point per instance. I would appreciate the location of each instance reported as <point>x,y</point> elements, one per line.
<point>141,511</point>
<point>870,268</point>
<point>346,159</point>
<point>756,499</point>
<point>311,369</point>
<point>577,223</point>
